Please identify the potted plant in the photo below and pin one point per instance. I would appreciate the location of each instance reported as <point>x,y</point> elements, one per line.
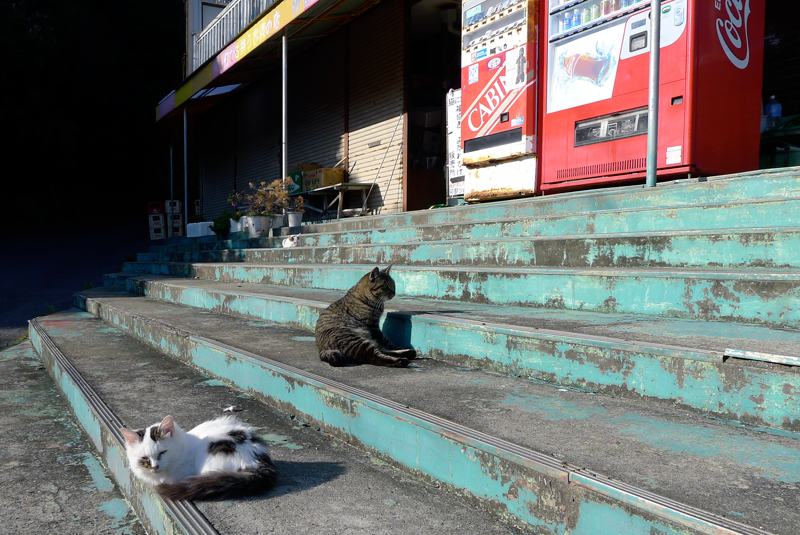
<point>294,206</point>
<point>238,221</point>
<point>222,225</point>
<point>262,202</point>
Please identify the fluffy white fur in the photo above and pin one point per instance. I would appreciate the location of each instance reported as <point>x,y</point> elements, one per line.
<point>291,241</point>
<point>177,454</point>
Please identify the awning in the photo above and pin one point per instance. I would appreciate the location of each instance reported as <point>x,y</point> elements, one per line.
<point>257,50</point>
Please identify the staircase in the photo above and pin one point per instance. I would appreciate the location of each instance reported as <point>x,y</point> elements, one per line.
<point>615,361</point>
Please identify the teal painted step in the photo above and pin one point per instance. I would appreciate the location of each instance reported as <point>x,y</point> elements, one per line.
<point>743,188</point>
<point>102,427</point>
<point>313,468</point>
<point>118,279</point>
<point>681,361</point>
<point>759,248</point>
<point>474,431</point>
<point>743,215</point>
<point>763,296</point>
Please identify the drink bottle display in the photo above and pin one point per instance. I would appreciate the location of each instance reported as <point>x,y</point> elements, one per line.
<point>586,66</point>
<point>773,110</point>
<point>595,11</point>
<point>586,15</point>
<point>576,18</point>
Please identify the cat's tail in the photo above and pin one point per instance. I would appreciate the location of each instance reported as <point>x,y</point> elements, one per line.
<point>223,484</point>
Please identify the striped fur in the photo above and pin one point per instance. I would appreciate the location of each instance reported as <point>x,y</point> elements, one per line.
<point>349,329</point>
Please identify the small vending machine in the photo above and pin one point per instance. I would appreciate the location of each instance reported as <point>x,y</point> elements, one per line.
<point>499,97</point>
<point>595,113</point>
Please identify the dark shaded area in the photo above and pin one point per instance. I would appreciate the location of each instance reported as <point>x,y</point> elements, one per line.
<point>40,272</point>
<point>781,55</point>
<point>82,153</point>
<point>81,80</point>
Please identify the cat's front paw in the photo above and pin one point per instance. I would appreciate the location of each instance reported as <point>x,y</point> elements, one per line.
<point>409,354</point>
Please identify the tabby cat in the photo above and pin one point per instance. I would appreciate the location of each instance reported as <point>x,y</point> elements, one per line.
<point>220,458</point>
<point>349,330</point>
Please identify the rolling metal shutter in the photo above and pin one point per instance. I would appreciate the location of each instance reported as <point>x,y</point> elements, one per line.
<point>316,103</point>
<point>258,132</point>
<point>376,60</point>
<point>216,159</point>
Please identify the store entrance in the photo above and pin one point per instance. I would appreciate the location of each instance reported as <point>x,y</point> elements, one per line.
<point>434,67</point>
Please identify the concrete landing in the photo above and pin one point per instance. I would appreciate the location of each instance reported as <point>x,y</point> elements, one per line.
<point>51,481</point>
<point>741,475</point>
<point>325,486</point>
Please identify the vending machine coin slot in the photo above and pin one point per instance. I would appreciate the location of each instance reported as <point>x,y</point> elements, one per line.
<point>677,100</point>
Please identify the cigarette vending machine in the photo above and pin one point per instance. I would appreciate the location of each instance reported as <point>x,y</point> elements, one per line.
<point>499,97</point>
<point>594,121</point>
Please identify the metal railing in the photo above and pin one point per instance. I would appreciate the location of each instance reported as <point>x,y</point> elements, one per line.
<point>225,27</point>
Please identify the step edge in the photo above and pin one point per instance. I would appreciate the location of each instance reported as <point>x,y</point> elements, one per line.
<point>683,514</point>
<point>186,515</point>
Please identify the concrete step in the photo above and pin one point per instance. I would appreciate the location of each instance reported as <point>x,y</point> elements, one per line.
<point>324,486</point>
<point>560,460</point>
<point>767,296</point>
<point>742,189</point>
<point>706,366</point>
<point>729,248</point>
<point>53,480</point>
<point>728,216</point>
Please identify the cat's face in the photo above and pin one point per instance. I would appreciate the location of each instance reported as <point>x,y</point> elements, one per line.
<point>381,283</point>
<point>151,450</point>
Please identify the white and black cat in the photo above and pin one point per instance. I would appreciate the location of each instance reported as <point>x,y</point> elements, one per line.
<point>221,458</point>
<point>291,241</point>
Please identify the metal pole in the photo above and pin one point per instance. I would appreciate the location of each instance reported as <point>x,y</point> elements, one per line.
<point>283,104</point>
<point>171,192</point>
<point>185,173</point>
<point>652,107</point>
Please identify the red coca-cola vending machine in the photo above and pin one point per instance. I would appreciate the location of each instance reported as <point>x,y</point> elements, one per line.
<point>499,93</point>
<point>594,121</point>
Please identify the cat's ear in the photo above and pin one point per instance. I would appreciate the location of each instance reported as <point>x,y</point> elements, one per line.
<point>387,269</point>
<point>131,437</point>
<point>374,274</point>
<point>167,427</point>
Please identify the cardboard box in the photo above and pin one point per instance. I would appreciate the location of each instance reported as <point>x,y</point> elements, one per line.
<point>177,220</point>
<point>426,116</point>
<point>156,220</point>
<point>296,173</point>
<point>155,207</point>
<point>158,233</point>
<point>323,177</point>
<point>177,231</point>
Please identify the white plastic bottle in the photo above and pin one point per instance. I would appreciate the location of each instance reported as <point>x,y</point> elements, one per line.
<point>773,112</point>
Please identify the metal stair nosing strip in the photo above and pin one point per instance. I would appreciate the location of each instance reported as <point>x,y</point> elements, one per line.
<point>186,515</point>
<point>661,507</point>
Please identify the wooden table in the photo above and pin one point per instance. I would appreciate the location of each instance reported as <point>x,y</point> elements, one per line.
<point>338,190</point>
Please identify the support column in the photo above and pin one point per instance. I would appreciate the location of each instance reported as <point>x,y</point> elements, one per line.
<point>652,106</point>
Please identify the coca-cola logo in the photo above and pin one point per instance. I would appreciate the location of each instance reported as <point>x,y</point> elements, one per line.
<point>733,34</point>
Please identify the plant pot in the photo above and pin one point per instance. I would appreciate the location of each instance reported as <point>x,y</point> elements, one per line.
<point>236,226</point>
<point>294,219</point>
<point>258,225</point>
